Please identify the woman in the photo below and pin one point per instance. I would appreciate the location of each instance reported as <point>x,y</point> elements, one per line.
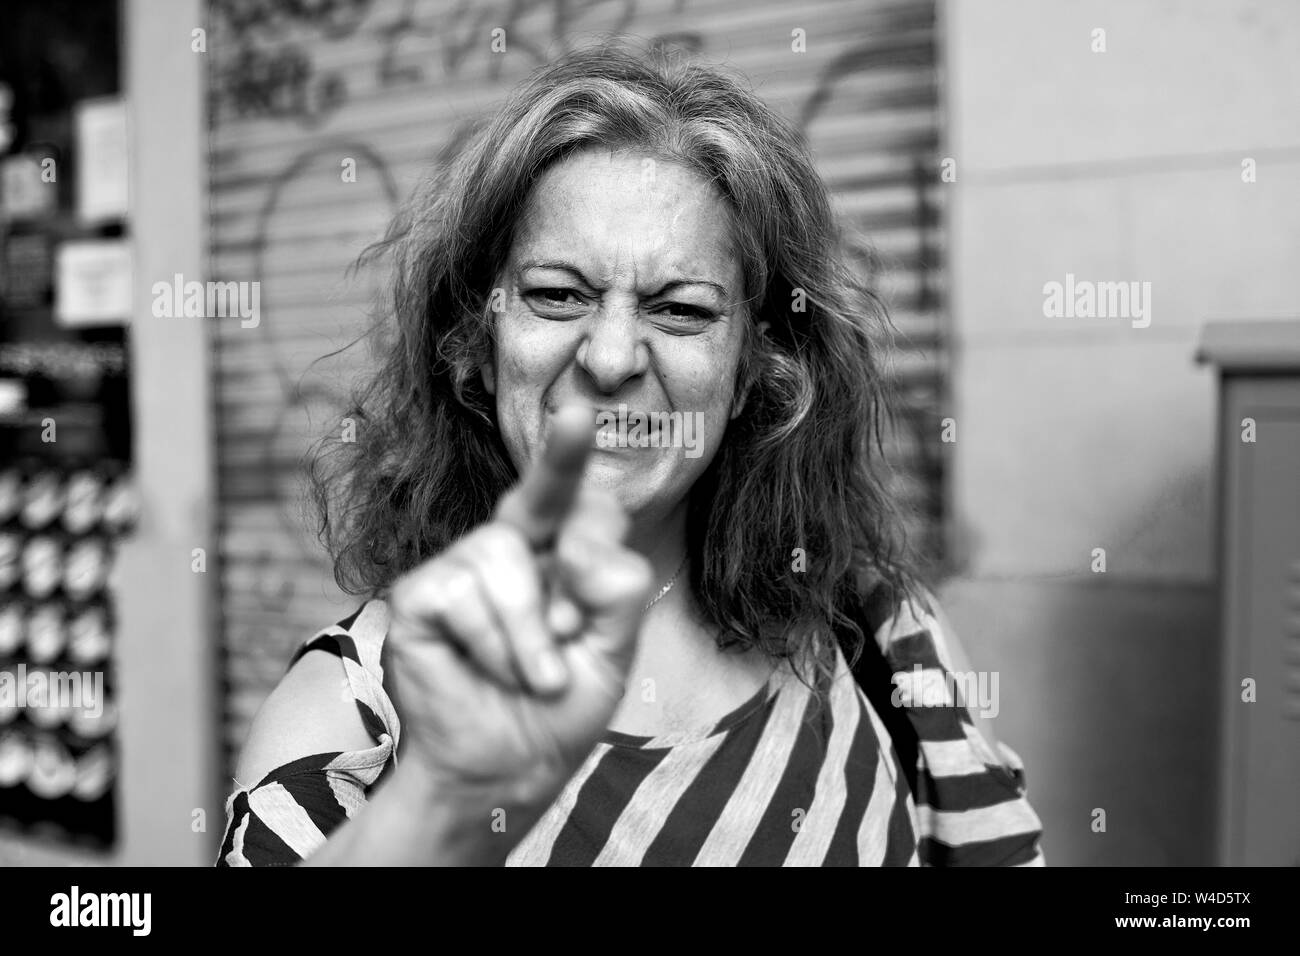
<point>613,498</point>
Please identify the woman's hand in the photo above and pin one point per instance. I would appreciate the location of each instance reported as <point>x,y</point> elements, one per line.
<point>507,654</point>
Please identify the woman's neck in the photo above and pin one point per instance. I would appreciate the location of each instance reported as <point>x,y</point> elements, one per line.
<point>680,679</point>
<point>662,542</point>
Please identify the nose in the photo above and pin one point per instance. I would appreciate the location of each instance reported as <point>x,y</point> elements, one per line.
<point>612,351</point>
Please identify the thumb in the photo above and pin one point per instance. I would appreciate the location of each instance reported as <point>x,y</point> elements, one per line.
<point>611,584</point>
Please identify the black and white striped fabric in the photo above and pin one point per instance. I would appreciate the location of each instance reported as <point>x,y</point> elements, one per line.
<point>795,776</point>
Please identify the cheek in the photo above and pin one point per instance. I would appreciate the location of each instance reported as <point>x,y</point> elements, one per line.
<point>529,355</point>
<point>709,369</point>
<point>710,393</point>
<point>704,382</point>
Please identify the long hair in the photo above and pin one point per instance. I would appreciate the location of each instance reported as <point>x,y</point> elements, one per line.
<point>792,521</point>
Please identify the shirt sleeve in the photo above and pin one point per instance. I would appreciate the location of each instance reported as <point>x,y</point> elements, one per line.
<point>971,802</point>
<point>289,814</point>
<point>292,811</point>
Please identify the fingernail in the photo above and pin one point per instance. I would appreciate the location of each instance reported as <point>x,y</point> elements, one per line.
<point>563,618</point>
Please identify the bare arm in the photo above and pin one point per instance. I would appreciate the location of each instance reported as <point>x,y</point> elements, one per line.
<point>405,821</point>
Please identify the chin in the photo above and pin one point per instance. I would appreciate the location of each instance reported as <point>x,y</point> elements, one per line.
<point>636,487</point>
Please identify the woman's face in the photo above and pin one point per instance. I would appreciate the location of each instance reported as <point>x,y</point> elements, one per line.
<point>622,291</point>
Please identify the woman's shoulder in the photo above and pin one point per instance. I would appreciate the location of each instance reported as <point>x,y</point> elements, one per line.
<point>358,638</point>
<point>331,700</point>
<point>919,642</point>
<point>971,789</point>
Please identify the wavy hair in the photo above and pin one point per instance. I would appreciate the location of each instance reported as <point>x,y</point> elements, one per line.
<point>802,467</point>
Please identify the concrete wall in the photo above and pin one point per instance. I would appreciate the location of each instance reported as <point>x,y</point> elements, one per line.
<point>171,793</point>
<point>1082,433</point>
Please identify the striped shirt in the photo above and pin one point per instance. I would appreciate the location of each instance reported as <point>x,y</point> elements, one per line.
<point>795,776</point>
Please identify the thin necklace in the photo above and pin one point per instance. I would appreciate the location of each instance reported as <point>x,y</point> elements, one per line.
<point>666,588</point>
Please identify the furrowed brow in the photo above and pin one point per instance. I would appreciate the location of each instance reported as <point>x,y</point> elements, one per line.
<point>559,265</point>
<point>707,283</point>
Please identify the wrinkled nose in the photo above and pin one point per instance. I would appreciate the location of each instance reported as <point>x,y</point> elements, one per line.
<point>613,352</point>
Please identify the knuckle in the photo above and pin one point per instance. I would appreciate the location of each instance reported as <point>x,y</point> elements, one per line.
<point>498,538</point>
<point>456,584</point>
<point>517,601</point>
<point>509,562</point>
<point>574,549</point>
<point>404,596</point>
<point>399,595</point>
<point>635,573</point>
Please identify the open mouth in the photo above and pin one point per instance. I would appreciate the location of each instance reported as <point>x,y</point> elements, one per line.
<point>621,419</point>
<point>624,429</point>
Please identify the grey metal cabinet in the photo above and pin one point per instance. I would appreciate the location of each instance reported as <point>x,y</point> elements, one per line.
<point>1259,549</point>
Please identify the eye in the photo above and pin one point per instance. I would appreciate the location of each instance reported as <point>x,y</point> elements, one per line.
<point>681,310</point>
<point>553,300</point>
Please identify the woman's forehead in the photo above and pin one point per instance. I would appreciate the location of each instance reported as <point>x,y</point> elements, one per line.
<point>597,207</point>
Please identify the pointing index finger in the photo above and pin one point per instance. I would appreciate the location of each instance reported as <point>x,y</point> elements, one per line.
<point>538,505</point>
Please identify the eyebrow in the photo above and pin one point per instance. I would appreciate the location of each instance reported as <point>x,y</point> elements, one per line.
<point>562,266</point>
